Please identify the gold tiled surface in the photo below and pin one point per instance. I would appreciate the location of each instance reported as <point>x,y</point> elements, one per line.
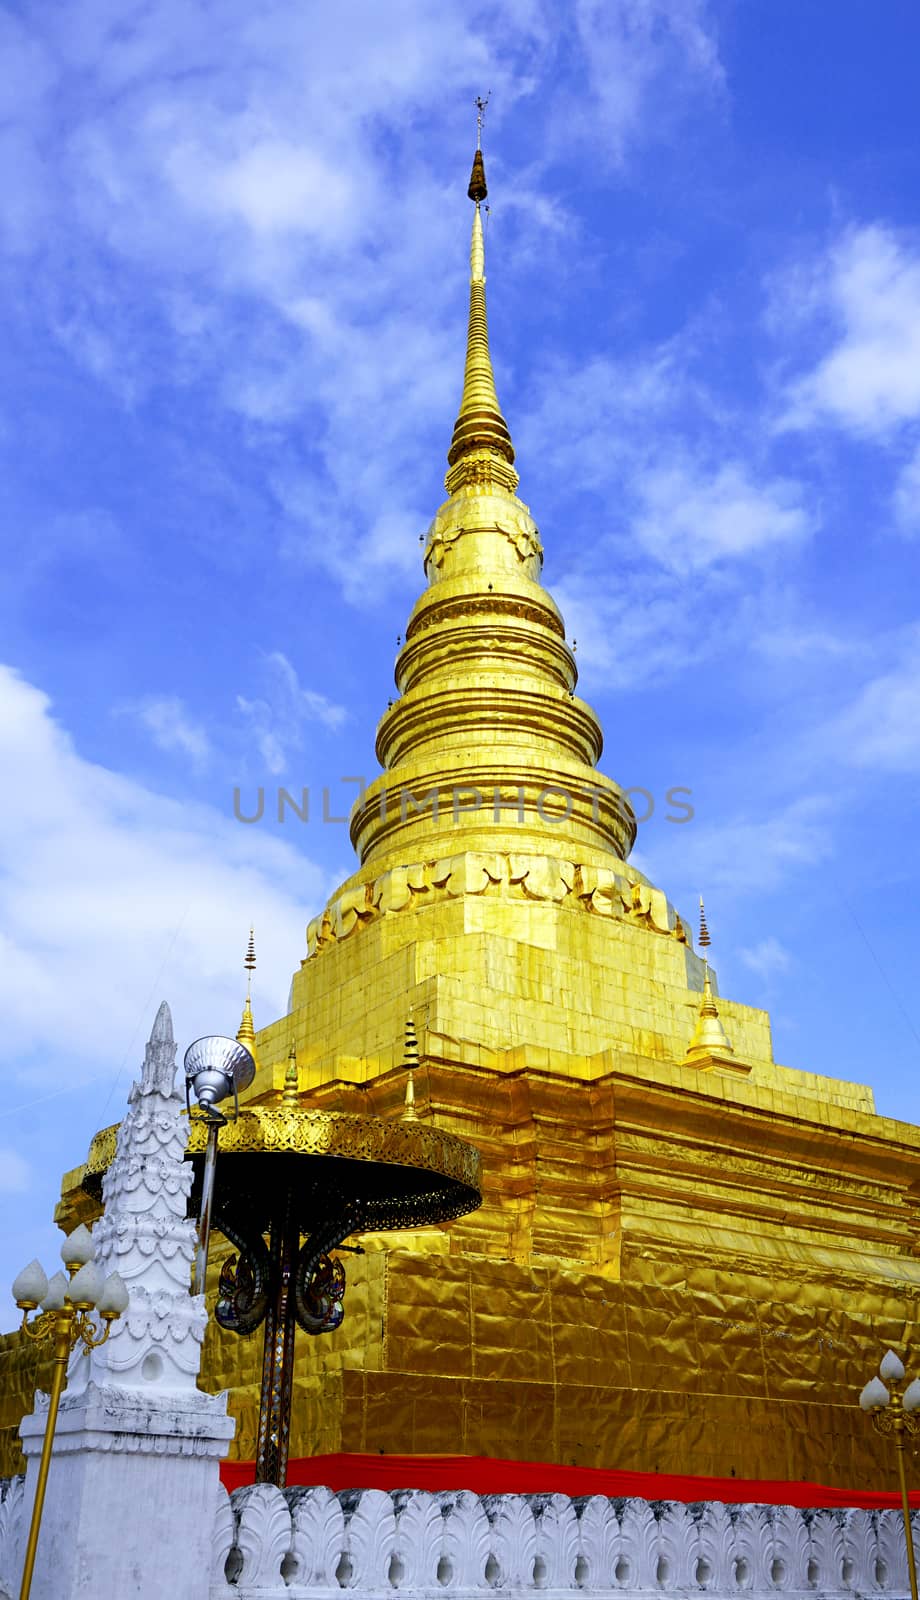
<point>560,987</point>
<point>657,1278</point>
<point>24,1367</point>
<point>489,1359</point>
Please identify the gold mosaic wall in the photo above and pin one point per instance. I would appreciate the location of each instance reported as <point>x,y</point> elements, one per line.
<point>668,1273</point>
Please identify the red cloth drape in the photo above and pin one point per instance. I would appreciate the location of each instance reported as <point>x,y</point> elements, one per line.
<point>486,1475</point>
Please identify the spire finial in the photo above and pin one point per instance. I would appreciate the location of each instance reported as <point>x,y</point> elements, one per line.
<point>481,447</point>
<point>710,1041</point>
<point>290,1094</point>
<point>246,1033</point>
<point>409,1063</point>
<point>480,118</point>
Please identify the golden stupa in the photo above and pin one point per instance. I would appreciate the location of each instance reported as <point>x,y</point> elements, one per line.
<point>688,1258</point>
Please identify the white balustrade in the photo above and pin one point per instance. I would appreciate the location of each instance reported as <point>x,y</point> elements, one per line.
<point>306,1542</point>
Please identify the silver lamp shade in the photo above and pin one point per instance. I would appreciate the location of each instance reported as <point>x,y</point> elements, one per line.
<point>216,1067</point>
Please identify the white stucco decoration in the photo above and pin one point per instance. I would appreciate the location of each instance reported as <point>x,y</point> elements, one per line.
<point>305,1543</point>
<point>144,1234</point>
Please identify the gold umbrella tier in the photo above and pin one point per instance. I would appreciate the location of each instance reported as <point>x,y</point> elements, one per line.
<point>406,1174</point>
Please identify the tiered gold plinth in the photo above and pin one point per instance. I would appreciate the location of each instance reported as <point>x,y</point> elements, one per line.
<point>686,1273</point>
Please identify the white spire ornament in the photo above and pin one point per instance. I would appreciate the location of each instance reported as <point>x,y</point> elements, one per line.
<point>146,1235</point>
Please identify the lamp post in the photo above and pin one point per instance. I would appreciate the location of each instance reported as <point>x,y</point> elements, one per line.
<point>892,1408</point>
<point>215,1067</point>
<point>67,1307</point>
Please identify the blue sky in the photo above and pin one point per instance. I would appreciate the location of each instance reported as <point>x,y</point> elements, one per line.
<point>233,250</point>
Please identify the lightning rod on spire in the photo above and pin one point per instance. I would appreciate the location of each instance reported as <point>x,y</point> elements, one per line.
<point>480,116</point>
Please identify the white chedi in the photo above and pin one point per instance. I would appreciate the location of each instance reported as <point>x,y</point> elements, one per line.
<point>146,1236</point>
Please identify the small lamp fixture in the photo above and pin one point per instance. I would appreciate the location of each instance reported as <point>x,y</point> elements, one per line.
<point>67,1305</point>
<point>216,1067</point>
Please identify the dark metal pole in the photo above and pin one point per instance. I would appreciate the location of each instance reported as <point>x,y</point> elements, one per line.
<point>207,1201</point>
<point>278,1354</point>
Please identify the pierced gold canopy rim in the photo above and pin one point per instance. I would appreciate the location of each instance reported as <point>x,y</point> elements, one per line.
<point>381,1141</point>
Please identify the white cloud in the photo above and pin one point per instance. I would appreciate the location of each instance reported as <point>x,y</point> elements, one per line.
<point>633,50</point>
<point>880,730</point>
<point>171,728</point>
<point>767,959</point>
<point>906,498</point>
<point>591,421</point>
<point>673,496</point>
<point>632,630</point>
<point>798,636</point>
<point>743,854</point>
<point>15,1172</point>
<point>278,720</point>
<point>639,623</point>
<point>867,292</point>
<point>113,896</point>
<point>272,186</point>
<point>691,518</point>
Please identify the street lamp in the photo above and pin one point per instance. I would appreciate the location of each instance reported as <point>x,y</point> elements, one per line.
<point>67,1307</point>
<point>893,1413</point>
<point>215,1068</point>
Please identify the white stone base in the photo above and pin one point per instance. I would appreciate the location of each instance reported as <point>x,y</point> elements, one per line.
<point>132,1490</point>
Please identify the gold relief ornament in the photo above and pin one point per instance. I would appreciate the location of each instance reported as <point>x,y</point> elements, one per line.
<point>279,1129</point>
<point>484,512</point>
<point>602,891</point>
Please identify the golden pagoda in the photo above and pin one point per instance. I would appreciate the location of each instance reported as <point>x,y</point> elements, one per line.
<point>688,1257</point>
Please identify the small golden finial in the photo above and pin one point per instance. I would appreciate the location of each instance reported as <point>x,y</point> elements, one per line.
<point>246,1033</point>
<point>290,1095</point>
<point>410,1061</point>
<point>710,1043</point>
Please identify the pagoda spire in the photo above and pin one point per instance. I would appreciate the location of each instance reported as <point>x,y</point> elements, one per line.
<point>410,1062</point>
<point>487,722</point>
<point>481,435</point>
<point>246,1033</point>
<point>710,1044</point>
